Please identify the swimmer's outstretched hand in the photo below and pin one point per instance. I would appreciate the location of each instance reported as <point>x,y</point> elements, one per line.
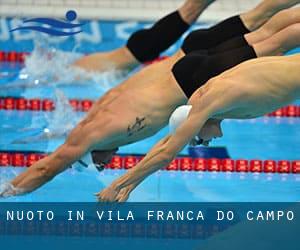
<point>124,194</point>
<point>109,194</point>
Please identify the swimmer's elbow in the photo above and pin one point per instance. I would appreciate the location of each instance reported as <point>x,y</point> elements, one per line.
<point>166,157</point>
<point>167,152</point>
<point>45,173</point>
<point>158,158</point>
<point>164,160</point>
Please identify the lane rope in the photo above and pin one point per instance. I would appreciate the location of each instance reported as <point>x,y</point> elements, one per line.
<point>19,57</point>
<point>13,56</point>
<point>26,159</point>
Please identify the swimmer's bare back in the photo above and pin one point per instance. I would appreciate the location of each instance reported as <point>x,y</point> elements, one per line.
<point>138,107</point>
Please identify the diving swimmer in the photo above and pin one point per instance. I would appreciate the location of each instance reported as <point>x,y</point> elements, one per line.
<point>136,109</point>
<point>276,83</point>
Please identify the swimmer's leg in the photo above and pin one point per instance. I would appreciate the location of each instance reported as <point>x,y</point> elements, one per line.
<point>229,34</point>
<point>151,41</point>
<point>279,43</point>
<point>256,17</point>
<point>280,21</point>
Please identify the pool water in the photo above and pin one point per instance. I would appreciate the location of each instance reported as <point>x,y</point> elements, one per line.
<point>263,138</point>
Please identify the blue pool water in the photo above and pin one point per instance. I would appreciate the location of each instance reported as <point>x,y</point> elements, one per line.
<point>263,138</point>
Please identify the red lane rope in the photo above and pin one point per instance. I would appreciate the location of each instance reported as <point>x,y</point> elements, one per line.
<point>13,56</point>
<point>21,159</point>
<point>19,57</point>
<point>36,104</point>
<point>12,103</point>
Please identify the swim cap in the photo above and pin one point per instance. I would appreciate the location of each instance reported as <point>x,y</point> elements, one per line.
<point>178,117</point>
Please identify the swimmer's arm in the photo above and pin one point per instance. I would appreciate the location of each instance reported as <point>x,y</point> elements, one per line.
<point>47,168</point>
<point>160,156</point>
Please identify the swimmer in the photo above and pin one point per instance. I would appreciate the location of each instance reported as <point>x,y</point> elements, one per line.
<point>276,83</point>
<point>278,22</point>
<point>138,108</point>
<point>147,44</point>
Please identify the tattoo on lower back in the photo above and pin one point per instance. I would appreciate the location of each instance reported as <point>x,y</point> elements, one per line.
<point>137,126</point>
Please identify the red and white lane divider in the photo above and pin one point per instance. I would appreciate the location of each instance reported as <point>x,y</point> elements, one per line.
<point>19,57</point>
<point>13,56</point>
<point>13,103</point>
<point>21,159</point>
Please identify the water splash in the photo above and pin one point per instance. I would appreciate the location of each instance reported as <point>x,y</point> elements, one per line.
<point>48,66</point>
<point>8,190</point>
<point>63,119</point>
<point>59,122</point>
